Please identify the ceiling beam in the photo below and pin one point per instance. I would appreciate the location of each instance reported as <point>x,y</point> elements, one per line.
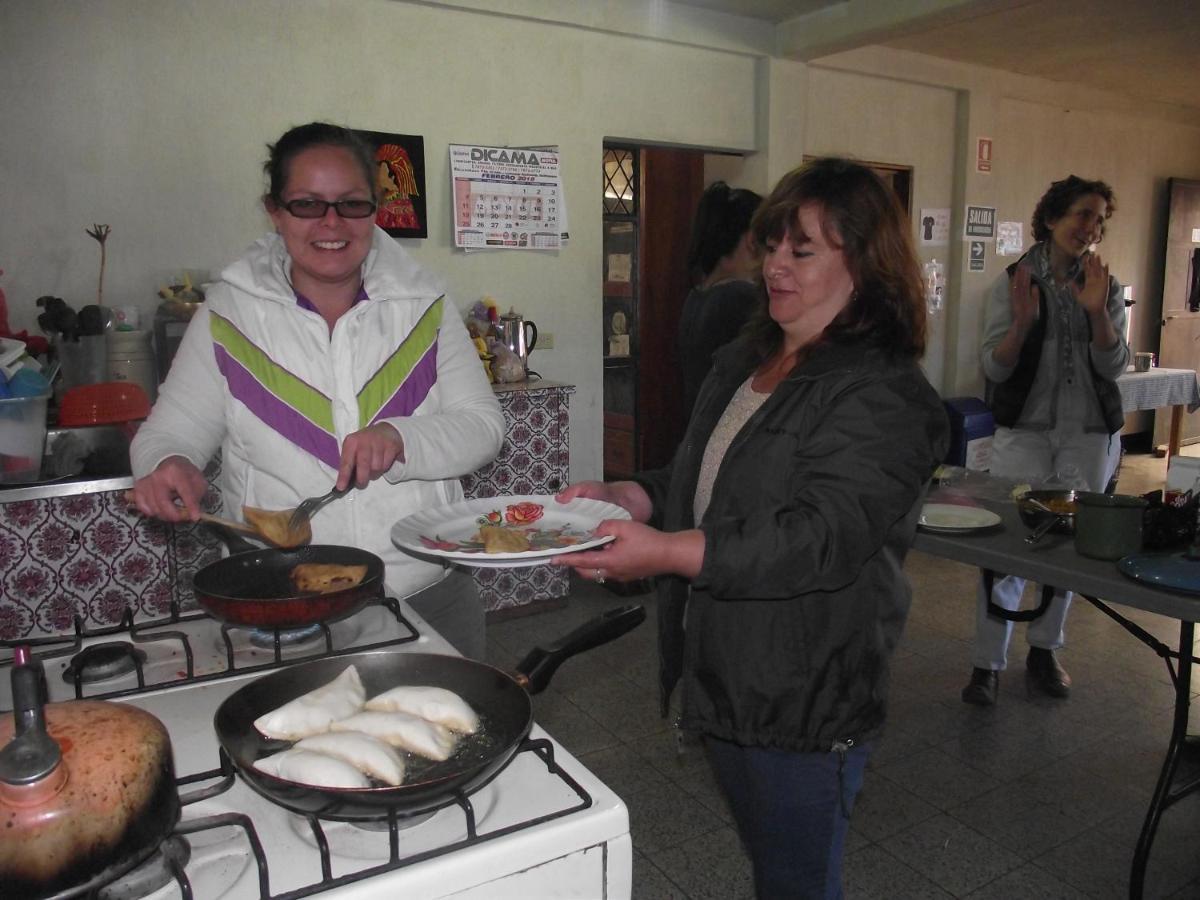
<point>859,23</point>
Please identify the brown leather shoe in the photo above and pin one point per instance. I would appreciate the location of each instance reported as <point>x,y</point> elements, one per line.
<point>1043,672</point>
<point>982,688</point>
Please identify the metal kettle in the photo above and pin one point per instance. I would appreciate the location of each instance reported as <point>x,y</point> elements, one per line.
<point>517,335</point>
<point>87,789</point>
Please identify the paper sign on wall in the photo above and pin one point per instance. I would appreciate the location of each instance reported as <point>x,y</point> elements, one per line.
<point>935,226</point>
<point>935,285</point>
<point>1009,238</point>
<point>981,221</point>
<point>977,257</point>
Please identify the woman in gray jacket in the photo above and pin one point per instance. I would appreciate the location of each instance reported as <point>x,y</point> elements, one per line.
<point>1053,346</point>
<point>782,523</point>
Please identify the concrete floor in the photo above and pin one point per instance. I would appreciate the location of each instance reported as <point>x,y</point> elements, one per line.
<point>1034,798</point>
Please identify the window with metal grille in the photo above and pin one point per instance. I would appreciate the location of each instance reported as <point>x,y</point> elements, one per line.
<point>620,181</point>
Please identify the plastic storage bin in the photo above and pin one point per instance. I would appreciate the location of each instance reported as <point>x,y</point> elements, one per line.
<point>22,438</point>
<point>971,431</point>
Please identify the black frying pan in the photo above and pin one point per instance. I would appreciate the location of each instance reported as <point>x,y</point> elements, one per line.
<point>501,700</point>
<point>254,588</point>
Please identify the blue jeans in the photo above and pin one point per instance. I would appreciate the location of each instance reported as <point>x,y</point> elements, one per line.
<point>792,811</point>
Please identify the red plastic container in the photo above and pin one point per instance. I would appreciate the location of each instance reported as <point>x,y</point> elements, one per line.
<point>103,404</point>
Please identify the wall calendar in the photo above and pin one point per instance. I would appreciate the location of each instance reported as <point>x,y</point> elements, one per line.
<point>507,198</point>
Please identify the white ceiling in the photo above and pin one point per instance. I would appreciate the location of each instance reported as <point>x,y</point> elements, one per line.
<point>1146,49</point>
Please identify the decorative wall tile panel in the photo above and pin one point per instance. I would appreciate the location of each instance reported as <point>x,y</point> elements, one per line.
<point>535,459</point>
<point>85,555</point>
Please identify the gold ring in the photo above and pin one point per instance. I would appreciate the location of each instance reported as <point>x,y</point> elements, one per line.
<point>599,576</point>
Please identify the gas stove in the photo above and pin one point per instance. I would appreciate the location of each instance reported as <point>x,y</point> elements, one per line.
<point>542,826</point>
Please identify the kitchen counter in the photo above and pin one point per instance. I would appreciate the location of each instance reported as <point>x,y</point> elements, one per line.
<point>63,487</point>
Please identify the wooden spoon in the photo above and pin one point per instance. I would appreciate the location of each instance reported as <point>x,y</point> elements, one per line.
<point>239,527</point>
<point>273,529</point>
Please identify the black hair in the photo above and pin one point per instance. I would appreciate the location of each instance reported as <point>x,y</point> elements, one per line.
<point>315,134</point>
<point>1059,198</point>
<point>722,218</point>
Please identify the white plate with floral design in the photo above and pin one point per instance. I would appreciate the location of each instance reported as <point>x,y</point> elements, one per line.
<point>552,529</point>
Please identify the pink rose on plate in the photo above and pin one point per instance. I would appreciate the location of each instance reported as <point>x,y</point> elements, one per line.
<point>523,513</point>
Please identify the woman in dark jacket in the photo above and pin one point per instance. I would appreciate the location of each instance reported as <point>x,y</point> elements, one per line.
<point>782,523</point>
<point>722,260</point>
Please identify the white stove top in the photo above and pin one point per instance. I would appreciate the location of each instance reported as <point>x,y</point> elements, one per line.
<point>562,841</point>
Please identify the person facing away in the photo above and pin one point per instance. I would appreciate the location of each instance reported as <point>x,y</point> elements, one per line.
<point>722,262</point>
<point>1053,346</point>
<point>779,529</point>
<point>326,356</point>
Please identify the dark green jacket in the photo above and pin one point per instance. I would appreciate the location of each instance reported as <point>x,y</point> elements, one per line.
<point>801,599</point>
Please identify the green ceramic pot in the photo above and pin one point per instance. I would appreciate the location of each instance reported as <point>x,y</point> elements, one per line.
<point>1108,526</point>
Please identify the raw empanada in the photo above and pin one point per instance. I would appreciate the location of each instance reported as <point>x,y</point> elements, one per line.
<point>309,767</point>
<point>433,703</point>
<point>369,755</point>
<point>498,539</point>
<point>312,713</point>
<point>411,733</point>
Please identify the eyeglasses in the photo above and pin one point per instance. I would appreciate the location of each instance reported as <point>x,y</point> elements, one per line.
<point>310,208</point>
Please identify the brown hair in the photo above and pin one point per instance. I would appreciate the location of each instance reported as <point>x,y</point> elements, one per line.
<point>862,216</point>
<point>1059,198</point>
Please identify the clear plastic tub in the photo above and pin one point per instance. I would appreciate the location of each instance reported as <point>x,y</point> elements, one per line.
<point>22,438</point>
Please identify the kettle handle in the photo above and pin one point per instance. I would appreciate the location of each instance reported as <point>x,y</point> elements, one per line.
<point>531,341</point>
<point>32,754</point>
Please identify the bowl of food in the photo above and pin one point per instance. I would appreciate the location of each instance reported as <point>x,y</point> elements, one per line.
<point>1035,507</point>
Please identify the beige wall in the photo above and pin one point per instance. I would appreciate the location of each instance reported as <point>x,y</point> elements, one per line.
<point>1042,131</point>
<point>872,119</point>
<point>153,117</point>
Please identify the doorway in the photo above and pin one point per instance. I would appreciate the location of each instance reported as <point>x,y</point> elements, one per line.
<point>1180,330</point>
<point>650,194</point>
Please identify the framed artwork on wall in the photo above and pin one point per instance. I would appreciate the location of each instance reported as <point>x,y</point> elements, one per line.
<point>400,176</point>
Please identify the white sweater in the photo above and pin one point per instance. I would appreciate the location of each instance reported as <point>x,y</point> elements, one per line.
<point>263,380</point>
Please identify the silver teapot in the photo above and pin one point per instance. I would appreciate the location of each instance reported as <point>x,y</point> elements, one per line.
<point>517,335</point>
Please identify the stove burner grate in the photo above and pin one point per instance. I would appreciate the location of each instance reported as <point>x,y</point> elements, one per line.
<point>126,659</point>
<point>391,821</point>
<point>102,662</point>
<point>170,857</point>
<point>288,637</point>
